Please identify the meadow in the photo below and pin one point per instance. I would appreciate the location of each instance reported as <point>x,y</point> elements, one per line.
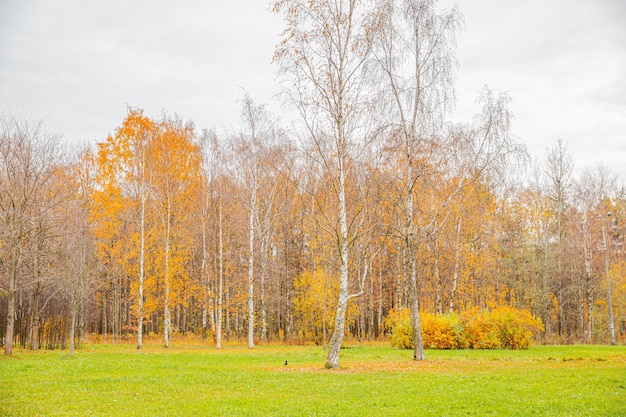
<point>374,380</point>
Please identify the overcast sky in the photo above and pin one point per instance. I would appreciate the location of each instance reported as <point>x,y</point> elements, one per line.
<point>78,64</point>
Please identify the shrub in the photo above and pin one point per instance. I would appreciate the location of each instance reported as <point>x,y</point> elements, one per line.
<point>398,325</point>
<point>515,327</point>
<point>479,331</point>
<point>502,327</point>
<point>438,331</point>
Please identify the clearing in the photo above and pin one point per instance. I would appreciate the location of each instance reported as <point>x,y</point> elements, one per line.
<point>105,380</point>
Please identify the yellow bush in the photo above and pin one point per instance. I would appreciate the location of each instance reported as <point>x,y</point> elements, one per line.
<point>515,327</point>
<point>438,331</point>
<point>479,331</point>
<point>398,325</point>
<point>502,327</point>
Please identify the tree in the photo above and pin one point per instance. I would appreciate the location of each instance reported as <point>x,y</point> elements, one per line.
<point>414,51</point>
<point>212,170</point>
<point>249,151</point>
<point>177,156</point>
<point>558,170</point>
<point>137,130</point>
<point>604,185</point>
<point>75,250</point>
<point>28,155</point>
<point>323,54</point>
<point>133,139</point>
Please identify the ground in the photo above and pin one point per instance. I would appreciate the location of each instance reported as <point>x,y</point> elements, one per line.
<point>103,380</point>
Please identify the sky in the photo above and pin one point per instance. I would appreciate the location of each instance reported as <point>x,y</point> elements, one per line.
<point>78,65</point>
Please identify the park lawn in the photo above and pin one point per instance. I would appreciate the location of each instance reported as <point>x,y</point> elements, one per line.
<point>107,380</point>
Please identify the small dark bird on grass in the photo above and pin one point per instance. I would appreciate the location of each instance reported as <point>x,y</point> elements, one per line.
<point>285,362</point>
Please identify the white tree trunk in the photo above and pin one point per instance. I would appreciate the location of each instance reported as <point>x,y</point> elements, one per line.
<point>332,360</point>
<point>418,347</point>
<point>265,243</point>
<point>455,274</point>
<point>251,270</point>
<point>141,266</point>
<point>166,308</point>
<point>220,293</point>
<point>609,299</point>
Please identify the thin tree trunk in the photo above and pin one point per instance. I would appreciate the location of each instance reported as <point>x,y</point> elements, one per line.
<point>546,289</point>
<point>588,279</point>
<point>8,340</point>
<point>166,309</point>
<point>141,269</point>
<point>264,249</point>
<point>418,346</point>
<point>609,299</point>
<point>455,276</point>
<point>73,327</point>
<point>34,323</point>
<point>324,311</point>
<point>81,326</point>
<point>220,288</point>
<point>438,289</point>
<point>205,283</point>
<point>251,271</point>
<point>379,322</point>
<point>205,312</point>
<point>104,316</point>
<point>228,318</point>
<point>263,308</point>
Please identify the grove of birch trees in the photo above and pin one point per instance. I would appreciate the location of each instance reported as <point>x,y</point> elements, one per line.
<point>369,201</point>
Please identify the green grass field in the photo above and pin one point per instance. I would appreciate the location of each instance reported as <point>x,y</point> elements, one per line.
<point>374,380</point>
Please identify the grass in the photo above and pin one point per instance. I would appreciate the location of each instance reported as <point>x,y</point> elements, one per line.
<point>104,380</point>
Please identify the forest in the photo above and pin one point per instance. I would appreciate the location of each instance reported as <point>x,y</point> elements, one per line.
<point>368,203</point>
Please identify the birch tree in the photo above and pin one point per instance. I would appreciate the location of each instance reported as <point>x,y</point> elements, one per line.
<point>414,49</point>
<point>323,54</point>
<point>252,153</point>
<point>135,136</point>
<point>415,53</point>
<point>177,166</point>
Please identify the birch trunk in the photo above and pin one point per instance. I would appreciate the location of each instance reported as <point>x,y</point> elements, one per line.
<point>438,284</point>
<point>416,330</point>
<point>332,360</point>
<point>220,294</point>
<point>141,266</point>
<point>609,298</point>
<point>265,243</point>
<point>455,274</point>
<point>251,271</point>
<point>166,308</point>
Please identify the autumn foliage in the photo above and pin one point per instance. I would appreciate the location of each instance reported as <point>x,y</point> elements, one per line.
<point>498,328</point>
<point>371,206</point>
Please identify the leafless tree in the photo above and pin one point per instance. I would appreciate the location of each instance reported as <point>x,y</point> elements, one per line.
<point>558,170</point>
<point>75,246</point>
<point>27,160</point>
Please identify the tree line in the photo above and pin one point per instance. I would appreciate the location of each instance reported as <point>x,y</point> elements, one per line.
<point>369,202</point>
